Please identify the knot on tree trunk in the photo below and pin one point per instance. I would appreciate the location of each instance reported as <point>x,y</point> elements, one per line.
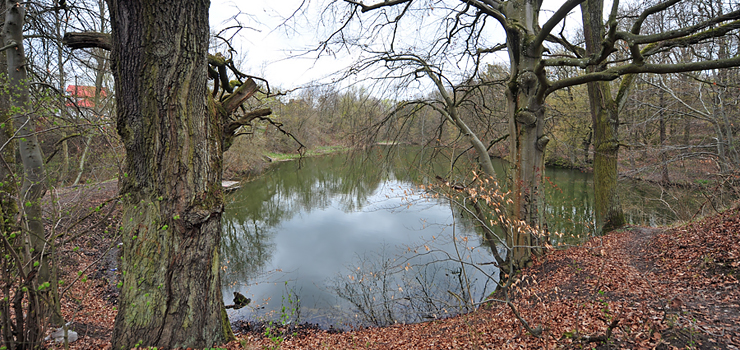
<point>197,216</point>
<point>542,143</point>
<point>526,118</point>
<point>527,81</point>
<point>605,147</point>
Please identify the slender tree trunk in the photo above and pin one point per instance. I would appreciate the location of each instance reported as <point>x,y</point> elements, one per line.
<point>732,156</point>
<point>34,176</point>
<point>100,68</point>
<point>83,157</point>
<point>687,132</point>
<point>171,295</point>
<point>8,206</point>
<point>33,187</point>
<point>663,154</point>
<point>8,188</point>
<point>605,115</point>
<point>721,142</point>
<point>63,110</point>
<point>451,113</point>
<point>587,145</point>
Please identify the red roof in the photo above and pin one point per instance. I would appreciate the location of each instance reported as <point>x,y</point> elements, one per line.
<point>84,91</point>
<point>82,103</point>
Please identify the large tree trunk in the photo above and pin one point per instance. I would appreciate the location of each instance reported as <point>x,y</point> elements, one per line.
<point>171,294</point>
<point>605,115</point>
<point>526,125</point>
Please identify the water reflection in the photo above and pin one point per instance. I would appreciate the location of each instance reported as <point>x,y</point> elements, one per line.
<point>353,240</point>
<point>569,208</point>
<point>320,228</point>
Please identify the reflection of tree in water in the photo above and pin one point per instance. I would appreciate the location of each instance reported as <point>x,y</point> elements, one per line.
<point>569,207</point>
<point>245,248</point>
<point>409,288</point>
<point>255,210</point>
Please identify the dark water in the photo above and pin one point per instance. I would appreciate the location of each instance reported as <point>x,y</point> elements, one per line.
<point>349,241</point>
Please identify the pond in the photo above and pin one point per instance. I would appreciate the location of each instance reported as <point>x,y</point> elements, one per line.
<point>349,241</point>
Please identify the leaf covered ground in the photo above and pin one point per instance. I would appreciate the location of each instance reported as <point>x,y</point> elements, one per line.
<point>637,288</point>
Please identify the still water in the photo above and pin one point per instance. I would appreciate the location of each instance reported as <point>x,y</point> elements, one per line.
<point>352,241</point>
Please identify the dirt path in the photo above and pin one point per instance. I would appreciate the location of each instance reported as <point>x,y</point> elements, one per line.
<point>689,266</point>
<point>668,273</point>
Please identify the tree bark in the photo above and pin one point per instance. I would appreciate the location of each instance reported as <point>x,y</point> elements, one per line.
<point>34,176</point>
<point>64,172</point>
<point>171,295</point>
<point>85,40</point>
<point>526,125</point>
<point>605,115</point>
<point>8,188</point>
<point>664,178</point>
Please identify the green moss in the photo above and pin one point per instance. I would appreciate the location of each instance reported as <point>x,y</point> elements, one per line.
<point>226,326</point>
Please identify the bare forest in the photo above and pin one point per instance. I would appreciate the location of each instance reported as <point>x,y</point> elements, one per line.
<point>124,122</point>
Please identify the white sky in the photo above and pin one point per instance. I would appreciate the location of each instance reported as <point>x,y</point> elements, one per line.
<point>270,49</point>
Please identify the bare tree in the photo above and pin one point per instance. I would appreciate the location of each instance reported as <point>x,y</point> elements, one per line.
<point>463,34</point>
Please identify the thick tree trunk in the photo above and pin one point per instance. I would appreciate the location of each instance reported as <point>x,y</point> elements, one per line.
<point>605,115</point>
<point>171,295</point>
<point>526,125</point>
<point>607,207</point>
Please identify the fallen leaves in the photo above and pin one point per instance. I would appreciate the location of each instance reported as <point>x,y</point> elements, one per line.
<point>649,287</point>
<point>576,295</point>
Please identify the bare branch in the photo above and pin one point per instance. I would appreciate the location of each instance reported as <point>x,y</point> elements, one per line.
<point>491,8</point>
<point>616,72</point>
<point>11,45</point>
<point>634,39</point>
<point>366,8</point>
<point>558,16</point>
<point>690,40</point>
<point>245,91</point>
<point>84,40</point>
<point>649,11</point>
<point>246,119</point>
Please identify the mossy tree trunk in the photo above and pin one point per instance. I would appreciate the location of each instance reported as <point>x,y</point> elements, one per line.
<point>605,117</point>
<point>171,294</point>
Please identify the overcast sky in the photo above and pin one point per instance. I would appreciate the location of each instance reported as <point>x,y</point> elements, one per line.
<point>273,50</point>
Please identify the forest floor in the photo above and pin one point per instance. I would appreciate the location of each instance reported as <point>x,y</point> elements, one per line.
<point>636,288</point>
